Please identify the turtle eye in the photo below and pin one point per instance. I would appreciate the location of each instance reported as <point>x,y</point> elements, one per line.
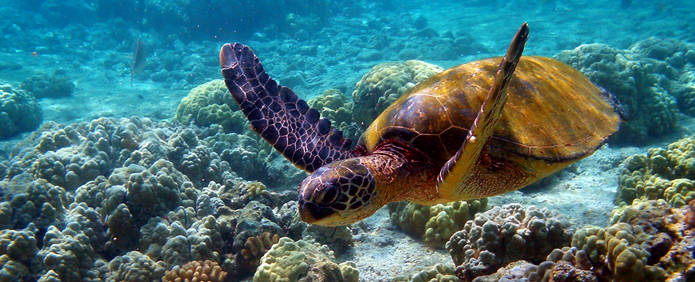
<point>328,194</point>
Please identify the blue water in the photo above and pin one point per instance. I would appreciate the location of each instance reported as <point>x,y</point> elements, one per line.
<point>75,59</point>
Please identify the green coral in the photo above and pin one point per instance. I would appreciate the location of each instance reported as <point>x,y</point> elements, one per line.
<point>210,103</point>
<point>384,84</point>
<point>660,174</point>
<point>289,261</point>
<point>434,224</point>
<point>19,112</point>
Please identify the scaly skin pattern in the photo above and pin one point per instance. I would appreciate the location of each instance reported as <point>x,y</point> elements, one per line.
<point>349,190</point>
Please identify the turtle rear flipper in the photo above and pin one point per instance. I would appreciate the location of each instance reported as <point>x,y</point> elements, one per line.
<point>278,115</point>
<point>455,173</point>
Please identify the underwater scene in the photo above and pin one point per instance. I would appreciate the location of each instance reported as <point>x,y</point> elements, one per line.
<point>391,140</point>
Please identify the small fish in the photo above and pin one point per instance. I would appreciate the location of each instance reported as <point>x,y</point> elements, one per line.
<point>139,60</point>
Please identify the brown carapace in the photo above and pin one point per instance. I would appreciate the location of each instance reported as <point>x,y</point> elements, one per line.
<point>476,130</point>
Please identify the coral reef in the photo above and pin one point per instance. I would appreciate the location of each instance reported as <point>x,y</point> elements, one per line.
<point>48,86</point>
<point>210,103</point>
<point>257,246</point>
<point>302,261</point>
<point>19,112</point>
<point>566,264</point>
<point>650,79</point>
<point>251,158</point>
<point>505,234</point>
<point>207,271</point>
<point>334,105</point>
<point>661,174</point>
<point>17,248</point>
<point>649,241</point>
<point>434,224</point>
<point>125,200</point>
<point>384,83</point>
<point>437,273</point>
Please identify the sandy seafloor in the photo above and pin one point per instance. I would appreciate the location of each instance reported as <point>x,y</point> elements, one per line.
<point>583,193</point>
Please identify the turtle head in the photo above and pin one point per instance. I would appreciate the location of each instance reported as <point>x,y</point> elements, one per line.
<point>340,193</point>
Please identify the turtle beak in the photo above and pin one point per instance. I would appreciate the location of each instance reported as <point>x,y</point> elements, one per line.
<point>313,213</point>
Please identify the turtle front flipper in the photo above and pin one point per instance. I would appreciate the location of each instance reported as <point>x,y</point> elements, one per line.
<point>457,171</point>
<point>278,115</point>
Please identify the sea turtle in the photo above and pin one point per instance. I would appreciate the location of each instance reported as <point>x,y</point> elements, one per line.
<point>450,138</point>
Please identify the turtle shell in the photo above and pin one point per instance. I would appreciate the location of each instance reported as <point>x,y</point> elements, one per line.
<point>554,114</point>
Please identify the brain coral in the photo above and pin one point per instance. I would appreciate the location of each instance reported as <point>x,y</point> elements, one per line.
<point>210,103</point>
<point>384,84</point>
<point>19,112</point>
<point>505,234</point>
<point>651,79</point>
<point>660,174</point>
<point>434,224</point>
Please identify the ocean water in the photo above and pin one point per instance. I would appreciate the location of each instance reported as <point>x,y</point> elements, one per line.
<point>107,172</point>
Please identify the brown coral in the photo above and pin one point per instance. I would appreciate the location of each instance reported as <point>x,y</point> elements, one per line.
<point>196,271</point>
<point>256,247</point>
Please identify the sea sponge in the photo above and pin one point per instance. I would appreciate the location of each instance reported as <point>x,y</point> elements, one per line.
<point>210,103</point>
<point>19,112</point>
<point>290,261</point>
<point>661,174</point>
<point>434,224</point>
<point>207,271</point>
<point>49,86</point>
<point>648,80</point>
<point>384,83</point>
<point>505,234</point>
